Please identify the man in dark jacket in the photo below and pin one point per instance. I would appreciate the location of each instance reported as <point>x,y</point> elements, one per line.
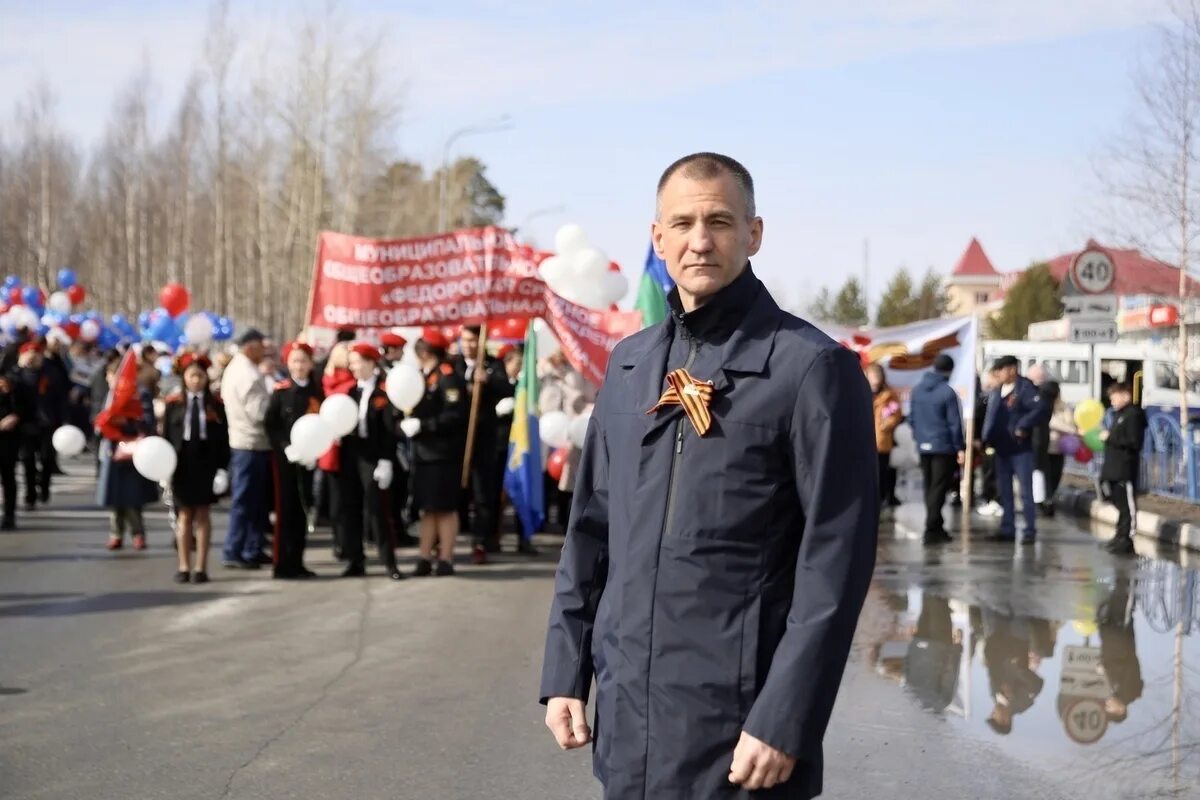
<point>938,431</point>
<point>723,529</point>
<point>1122,462</point>
<point>1014,410</point>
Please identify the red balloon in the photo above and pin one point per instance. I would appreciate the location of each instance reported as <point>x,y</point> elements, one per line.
<point>175,298</point>
<point>76,294</point>
<point>1084,454</point>
<point>614,266</point>
<point>15,297</point>
<point>556,463</point>
<point>511,328</point>
<point>71,329</point>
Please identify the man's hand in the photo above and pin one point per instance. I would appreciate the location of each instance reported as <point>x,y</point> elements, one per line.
<point>757,765</point>
<point>9,422</point>
<point>962,457</point>
<point>1104,436</point>
<point>1022,433</point>
<point>566,717</point>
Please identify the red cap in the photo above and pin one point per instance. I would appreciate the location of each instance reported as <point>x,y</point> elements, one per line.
<point>188,359</point>
<point>435,338</point>
<point>290,346</point>
<point>366,350</point>
<point>392,340</point>
<point>32,346</point>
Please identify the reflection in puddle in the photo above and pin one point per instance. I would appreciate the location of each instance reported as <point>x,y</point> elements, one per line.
<point>1093,677</point>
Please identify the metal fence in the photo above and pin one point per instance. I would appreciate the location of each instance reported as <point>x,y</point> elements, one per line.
<point>1165,468</point>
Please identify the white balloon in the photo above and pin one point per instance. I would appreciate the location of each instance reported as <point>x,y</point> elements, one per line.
<point>577,431</point>
<point>57,334</point>
<point>405,386</point>
<point>554,271</point>
<point>547,342</point>
<point>616,285</point>
<point>554,428</point>
<point>155,459</point>
<point>25,317</point>
<point>312,436</point>
<point>164,365</point>
<point>569,238</point>
<point>89,330</point>
<point>198,330</point>
<point>589,265</point>
<point>68,441</point>
<point>340,412</point>
<point>59,302</point>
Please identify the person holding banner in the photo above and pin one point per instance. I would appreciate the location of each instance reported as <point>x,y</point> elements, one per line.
<point>724,527</point>
<point>438,430</point>
<point>295,396</point>
<point>368,467</point>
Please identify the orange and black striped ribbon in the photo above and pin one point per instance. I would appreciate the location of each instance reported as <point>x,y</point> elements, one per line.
<point>695,397</point>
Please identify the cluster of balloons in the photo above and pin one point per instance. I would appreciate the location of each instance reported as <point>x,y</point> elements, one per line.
<point>1089,416</point>
<point>561,432</point>
<point>581,273</point>
<point>28,307</point>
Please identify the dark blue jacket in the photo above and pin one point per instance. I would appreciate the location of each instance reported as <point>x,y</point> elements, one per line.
<point>712,584</point>
<point>1023,410</point>
<point>935,416</point>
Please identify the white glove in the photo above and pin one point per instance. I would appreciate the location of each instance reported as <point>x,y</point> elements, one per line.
<point>383,474</point>
<point>411,426</point>
<point>505,407</point>
<point>221,482</point>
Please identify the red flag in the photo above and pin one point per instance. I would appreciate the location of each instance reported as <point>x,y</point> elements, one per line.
<point>123,404</point>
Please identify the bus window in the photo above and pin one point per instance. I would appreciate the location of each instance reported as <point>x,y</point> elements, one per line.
<point>1075,371</point>
<point>1166,376</point>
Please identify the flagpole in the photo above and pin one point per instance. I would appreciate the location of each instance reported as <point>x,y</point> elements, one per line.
<point>476,395</point>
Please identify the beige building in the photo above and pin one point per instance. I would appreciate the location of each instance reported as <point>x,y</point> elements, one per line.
<point>974,284</point>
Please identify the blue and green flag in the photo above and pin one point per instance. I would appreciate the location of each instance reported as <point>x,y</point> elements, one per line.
<point>652,293</point>
<point>523,473</point>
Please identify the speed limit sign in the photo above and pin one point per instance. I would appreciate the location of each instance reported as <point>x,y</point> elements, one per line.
<point>1086,721</point>
<point>1093,272</point>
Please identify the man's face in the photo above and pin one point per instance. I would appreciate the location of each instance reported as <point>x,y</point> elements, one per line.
<point>1120,399</point>
<point>195,378</point>
<point>1037,374</point>
<point>254,351</point>
<point>393,354</point>
<point>31,360</point>
<point>703,235</point>
<point>1008,375</point>
<point>469,343</point>
<point>513,364</point>
<point>299,365</point>
<point>361,368</point>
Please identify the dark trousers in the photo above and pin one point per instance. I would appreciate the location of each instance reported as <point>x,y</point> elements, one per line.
<point>1020,466</point>
<point>485,496</point>
<point>1123,495</point>
<point>365,509</point>
<point>37,457</point>
<point>293,494</point>
<point>1054,473</point>
<point>9,448</point>
<point>987,478</point>
<point>887,480</point>
<point>249,477</point>
<point>331,492</point>
<point>937,473</point>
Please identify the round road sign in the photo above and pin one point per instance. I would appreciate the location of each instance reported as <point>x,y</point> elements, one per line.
<point>1093,272</point>
<point>1086,721</point>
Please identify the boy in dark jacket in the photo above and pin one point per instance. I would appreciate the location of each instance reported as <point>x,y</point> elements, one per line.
<point>1014,410</point>
<point>937,428</point>
<point>1122,459</point>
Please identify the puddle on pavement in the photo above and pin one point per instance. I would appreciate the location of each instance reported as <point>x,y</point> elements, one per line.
<point>1067,659</point>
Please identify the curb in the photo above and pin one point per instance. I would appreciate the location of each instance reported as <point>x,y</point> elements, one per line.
<point>1083,503</point>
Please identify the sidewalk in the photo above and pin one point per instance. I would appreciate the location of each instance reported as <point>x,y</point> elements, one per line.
<point>1168,521</point>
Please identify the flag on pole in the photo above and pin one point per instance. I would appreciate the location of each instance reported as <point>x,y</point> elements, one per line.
<point>653,290</point>
<point>523,473</point>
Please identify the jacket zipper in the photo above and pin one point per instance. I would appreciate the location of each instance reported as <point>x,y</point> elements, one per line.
<point>680,430</point>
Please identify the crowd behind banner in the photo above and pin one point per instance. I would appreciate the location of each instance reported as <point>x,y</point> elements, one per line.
<point>229,422</point>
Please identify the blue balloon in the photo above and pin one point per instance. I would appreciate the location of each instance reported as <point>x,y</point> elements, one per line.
<point>78,319</point>
<point>67,278</point>
<point>32,296</point>
<point>144,320</point>
<point>12,282</point>
<point>42,330</point>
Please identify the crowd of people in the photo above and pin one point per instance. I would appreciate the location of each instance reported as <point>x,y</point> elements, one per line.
<point>229,415</point>
<point>1020,422</point>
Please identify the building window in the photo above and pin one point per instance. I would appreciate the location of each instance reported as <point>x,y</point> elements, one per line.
<point>981,298</point>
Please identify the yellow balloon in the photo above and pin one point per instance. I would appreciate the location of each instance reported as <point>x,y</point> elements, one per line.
<point>1084,627</point>
<point>1089,414</point>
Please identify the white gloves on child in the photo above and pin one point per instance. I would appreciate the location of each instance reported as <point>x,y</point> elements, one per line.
<point>505,407</point>
<point>221,482</point>
<point>383,474</point>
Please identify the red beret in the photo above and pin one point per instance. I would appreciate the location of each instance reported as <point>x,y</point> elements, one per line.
<point>290,346</point>
<point>366,350</point>
<point>188,359</point>
<point>434,337</point>
<point>32,346</point>
<point>392,340</point>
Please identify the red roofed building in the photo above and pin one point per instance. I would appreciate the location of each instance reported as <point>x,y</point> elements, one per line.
<point>974,283</point>
<point>1137,274</point>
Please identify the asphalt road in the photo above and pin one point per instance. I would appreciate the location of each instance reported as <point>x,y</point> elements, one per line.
<point>116,683</point>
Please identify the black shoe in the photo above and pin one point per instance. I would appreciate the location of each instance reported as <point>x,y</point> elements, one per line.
<point>394,573</point>
<point>444,569</point>
<point>937,537</point>
<point>1120,546</point>
<point>284,574</point>
<point>491,546</point>
<point>31,505</point>
<point>239,564</point>
<point>424,568</point>
<point>526,547</point>
<point>264,559</point>
<point>1001,537</point>
<point>354,571</point>
<point>1029,538</point>
<point>45,497</point>
<point>337,553</point>
<point>9,524</point>
<point>182,577</point>
<point>199,577</point>
<point>305,574</point>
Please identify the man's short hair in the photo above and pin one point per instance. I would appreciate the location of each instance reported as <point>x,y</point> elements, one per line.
<point>1123,388</point>
<point>1004,362</point>
<point>943,363</point>
<point>706,166</point>
<point>475,329</point>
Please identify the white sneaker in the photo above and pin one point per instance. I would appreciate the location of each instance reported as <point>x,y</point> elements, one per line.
<point>991,509</point>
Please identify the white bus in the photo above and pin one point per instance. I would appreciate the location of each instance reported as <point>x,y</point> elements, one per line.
<point>1085,371</point>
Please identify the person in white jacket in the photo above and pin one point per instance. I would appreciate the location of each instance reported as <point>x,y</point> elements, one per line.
<point>246,397</point>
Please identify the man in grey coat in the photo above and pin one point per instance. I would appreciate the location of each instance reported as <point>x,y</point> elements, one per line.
<point>723,530</point>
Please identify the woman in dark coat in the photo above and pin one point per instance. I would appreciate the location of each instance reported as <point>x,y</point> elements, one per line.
<point>194,423</point>
<point>128,416</point>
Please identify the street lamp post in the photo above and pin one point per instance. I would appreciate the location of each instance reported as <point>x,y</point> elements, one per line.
<point>502,123</point>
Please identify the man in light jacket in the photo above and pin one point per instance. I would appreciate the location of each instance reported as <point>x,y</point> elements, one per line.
<point>937,428</point>
<point>246,397</point>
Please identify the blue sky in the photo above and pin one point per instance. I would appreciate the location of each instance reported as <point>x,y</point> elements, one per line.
<point>916,124</point>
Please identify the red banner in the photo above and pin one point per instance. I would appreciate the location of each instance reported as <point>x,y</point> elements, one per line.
<point>466,277</point>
